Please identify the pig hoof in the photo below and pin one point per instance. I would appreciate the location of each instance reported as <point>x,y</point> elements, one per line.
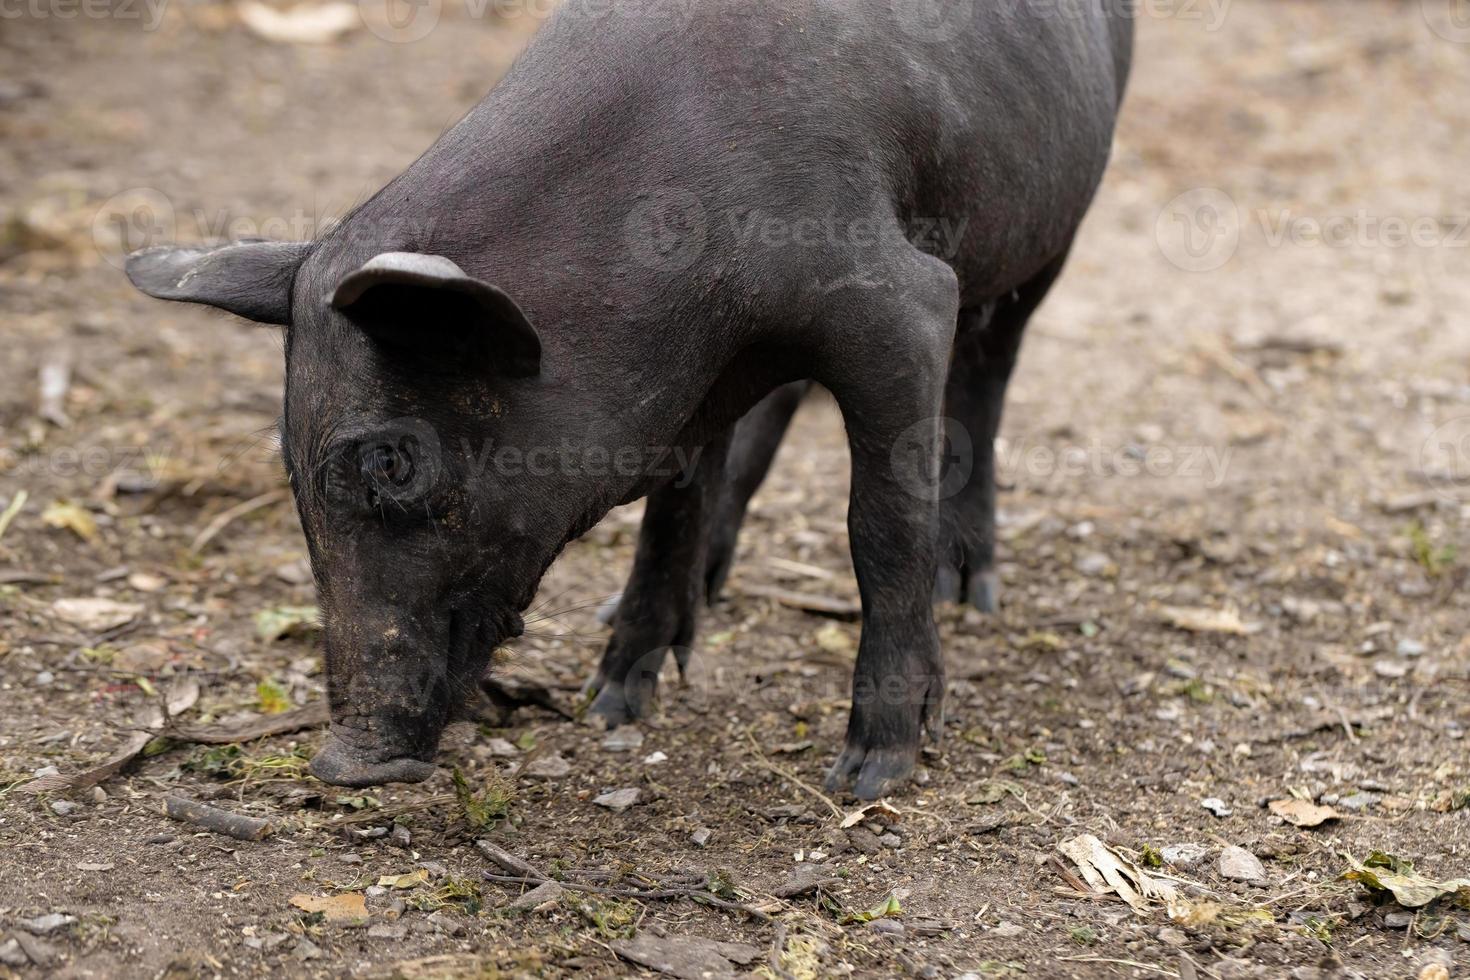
<point>879,772</point>
<point>979,589</point>
<point>613,706</point>
<point>340,765</point>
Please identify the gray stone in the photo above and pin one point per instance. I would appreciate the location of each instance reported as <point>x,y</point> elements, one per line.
<point>1238,864</point>
<point>1358,801</point>
<point>46,924</point>
<point>891,841</point>
<point>387,930</point>
<point>1184,855</point>
<point>536,897</point>
<point>1398,920</point>
<point>701,836</point>
<point>12,955</point>
<point>618,800</point>
<point>547,767</point>
<point>64,808</point>
<point>886,927</point>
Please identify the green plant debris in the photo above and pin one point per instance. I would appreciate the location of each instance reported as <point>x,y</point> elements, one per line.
<point>483,808</point>
<point>1021,761</point>
<point>1434,560</point>
<point>612,918</point>
<point>993,791</point>
<point>1083,935</point>
<point>273,698</point>
<point>455,893</point>
<point>1385,873</point>
<point>230,762</point>
<point>884,909</point>
<point>1151,858</point>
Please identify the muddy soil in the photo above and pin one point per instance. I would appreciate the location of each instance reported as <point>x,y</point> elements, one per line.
<point>1235,509</point>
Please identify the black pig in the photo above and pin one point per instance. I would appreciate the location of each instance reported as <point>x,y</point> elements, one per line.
<point>657,220</point>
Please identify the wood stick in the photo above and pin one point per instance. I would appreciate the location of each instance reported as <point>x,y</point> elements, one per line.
<point>502,858</point>
<point>220,821</point>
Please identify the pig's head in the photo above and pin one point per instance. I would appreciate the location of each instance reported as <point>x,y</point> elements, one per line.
<point>401,372</point>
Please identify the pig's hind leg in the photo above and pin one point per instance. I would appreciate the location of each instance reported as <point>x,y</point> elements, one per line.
<point>986,344</point>
<point>892,330</point>
<point>660,605</point>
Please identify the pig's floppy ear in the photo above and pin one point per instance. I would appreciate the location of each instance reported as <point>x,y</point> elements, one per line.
<point>249,279</point>
<point>425,305</point>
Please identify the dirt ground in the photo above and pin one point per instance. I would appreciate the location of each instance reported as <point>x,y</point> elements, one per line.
<point>1235,504</point>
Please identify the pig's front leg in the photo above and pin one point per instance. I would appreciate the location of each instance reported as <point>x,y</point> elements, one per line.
<point>660,605</point>
<point>887,371</point>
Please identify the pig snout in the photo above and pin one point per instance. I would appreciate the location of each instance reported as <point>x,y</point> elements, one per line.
<point>392,691</point>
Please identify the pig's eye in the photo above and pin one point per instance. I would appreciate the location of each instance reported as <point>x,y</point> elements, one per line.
<point>386,466</point>
<point>387,472</point>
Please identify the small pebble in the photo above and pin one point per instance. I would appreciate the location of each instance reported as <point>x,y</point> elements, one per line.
<point>502,749</point>
<point>1411,648</point>
<point>64,808</point>
<point>161,839</point>
<point>547,767</point>
<point>46,924</point>
<point>1170,936</point>
<point>99,795</point>
<point>1216,806</point>
<point>891,841</point>
<point>1184,855</point>
<point>1358,801</point>
<point>306,950</point>
<point>701,836</point>
<point>1398,920</point>
<point>654,758</point>
<point>886,927</point>
<point>45,678</point>
<point>1238,864</point>
<point>618,800</point>
<point>387,930</point>
<point>12,955</point>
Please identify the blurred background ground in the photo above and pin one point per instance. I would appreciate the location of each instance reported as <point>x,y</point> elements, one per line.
<point>1234,554</point>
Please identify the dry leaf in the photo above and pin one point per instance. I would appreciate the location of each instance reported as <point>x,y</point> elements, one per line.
<point>1202,620</point>
<point>96,615</point>
<point>1412,890</point>
<point>834,639</point>
<point>1303,813</point>
<point>70,517</point>
<point>874,811</point>
<point>346,907</point>
<point>1108,871</point>
<point>410,880</point>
